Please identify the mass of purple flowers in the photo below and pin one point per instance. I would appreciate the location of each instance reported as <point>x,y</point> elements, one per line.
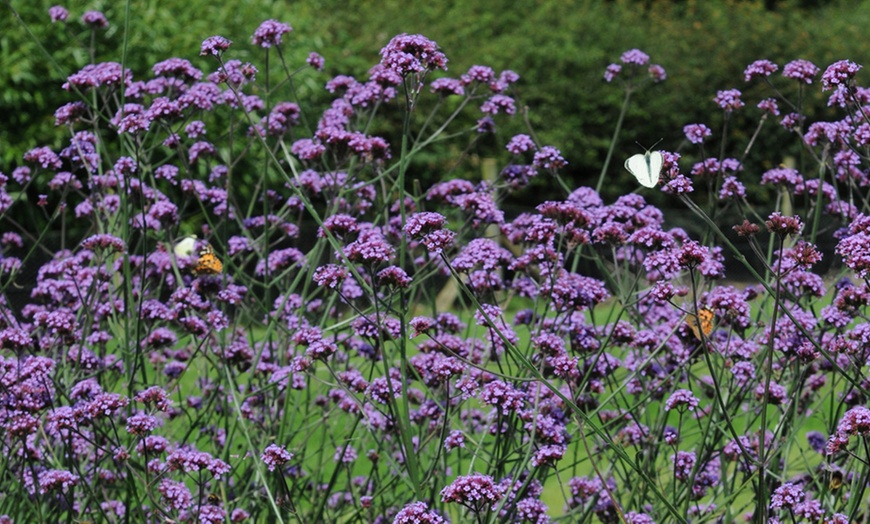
<point>340,343</point>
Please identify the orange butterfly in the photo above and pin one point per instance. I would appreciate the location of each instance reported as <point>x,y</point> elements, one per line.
<point>208,263</point>
<point>705,324</point>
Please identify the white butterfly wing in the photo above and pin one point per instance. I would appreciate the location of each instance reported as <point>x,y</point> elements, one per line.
<point>655,162</point>
<point>646,168</point>
<point>185,247</point>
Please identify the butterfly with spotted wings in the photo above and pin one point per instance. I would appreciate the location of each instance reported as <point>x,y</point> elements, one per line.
<point>208,263</point>
<point>702,323</point>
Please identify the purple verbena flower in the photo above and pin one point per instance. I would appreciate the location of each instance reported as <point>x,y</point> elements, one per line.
<point>406,54</point>
<point>503,396</point>
<point>657,73</point>
<point>585,489</point>
<point>58,13</point>
<point>44,157</point>
<point>475,491</point>
<point>195,129</point>
<point>105,405</point>
<point>682,399</point>
<point>141,424</point>
<point>505,78</point>
<point>175,494</point>
<point>732,188</point>
<point>421,325</point>
<point>729,100</point>
<point>633,517</point>
<point>696,133</point>
<point>417,513</point>
<point>211,514</point>
<point>340,225</point>
<point>478,73</point>
<point>199,149</point>
<point>269,33</point>
<point>839,73</point>
<point>633,433</point>
<point>154,395</point>
<point>769,106</point>
<point>104,242</point>
<point>11,240</point>
<point>837,133</point>
<point>549,158</point>
<point>548,455</point>
<point>483,252</point>
<point>456,439</point>
<point>315,60</point>
<point>692,254</point>
<point>520,144</point>
<point>214,45</point>
<point>330,275</point>
<point>104,74</point>
<point>683,461</point>
<point>189,460</point>
<point>776,394</point>
<point>855,422</point>
<point>370,248</point>
<point>783,225</point>
<point>177,67</point>
<point>422,224</point>
<point>57,479</point>
<point>95,19</point>
<point>786,496</point>
<point>346,454</point>
<point>498,103</point>
<point>634,57</point>
<point>447,87</point>
<point>21,175</point>
<point>787,177</point>
<point>792,121</point>
<point>486,125</point>
<point>380,391</point>
<point>801,70</point>
<point>759,69</point>
<point>394,277</point>
<point>280,260</point>
<point>816,441</point>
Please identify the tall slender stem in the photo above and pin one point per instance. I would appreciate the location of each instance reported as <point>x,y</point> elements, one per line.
<point>616,131</point>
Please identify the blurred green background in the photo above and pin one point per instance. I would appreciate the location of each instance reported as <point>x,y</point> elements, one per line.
<point>559,48</point>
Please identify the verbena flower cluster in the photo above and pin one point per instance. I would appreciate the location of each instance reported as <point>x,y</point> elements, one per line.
<point>340,344</point>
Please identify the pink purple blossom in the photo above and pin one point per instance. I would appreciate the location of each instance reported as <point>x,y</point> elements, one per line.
<point>58,13</point>
<point>839,73</point>
<point>95,19</point>
<point>801,70</point>
<point>759,69</point>
<point>269,33</point>
<point>214,45</point>
<point>406,54</point>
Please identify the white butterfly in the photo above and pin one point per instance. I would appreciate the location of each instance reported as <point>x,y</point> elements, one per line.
<point>185,247</point>
<point>646,167</point>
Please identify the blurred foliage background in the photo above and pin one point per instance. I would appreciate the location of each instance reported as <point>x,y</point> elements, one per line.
<point>559,47</point>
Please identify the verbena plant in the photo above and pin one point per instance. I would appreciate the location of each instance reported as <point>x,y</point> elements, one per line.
<point>308,367</point>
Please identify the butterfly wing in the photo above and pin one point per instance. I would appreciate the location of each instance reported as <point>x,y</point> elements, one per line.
<point>185,247</point>
<point>208,263</point>
<point>636,165</point>
<point>703,323</point>
<point>645,167</point>
<point>654,161</point>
